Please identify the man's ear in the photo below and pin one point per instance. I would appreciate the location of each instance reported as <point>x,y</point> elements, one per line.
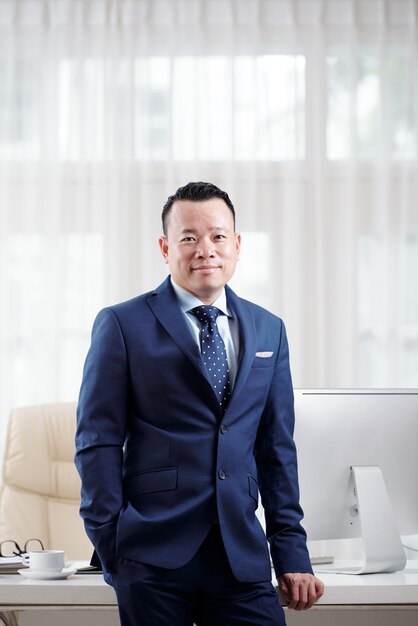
<point>163,243</point>
<point>238,243</point>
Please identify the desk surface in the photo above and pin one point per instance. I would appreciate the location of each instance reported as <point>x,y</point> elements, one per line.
<point>395,588</point>
<point>79,589</point>
<point>91,590</point>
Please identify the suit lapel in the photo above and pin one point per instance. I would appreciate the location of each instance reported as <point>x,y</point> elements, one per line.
<point>247,337</point>
<point>165,306</point>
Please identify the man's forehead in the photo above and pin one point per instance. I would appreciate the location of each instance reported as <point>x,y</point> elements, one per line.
<point>208,213</point>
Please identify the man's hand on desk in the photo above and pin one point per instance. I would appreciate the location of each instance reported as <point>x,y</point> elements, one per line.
<point>301,591</point>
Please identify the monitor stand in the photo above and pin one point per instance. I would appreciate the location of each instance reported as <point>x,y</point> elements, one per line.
<point>381,543</point>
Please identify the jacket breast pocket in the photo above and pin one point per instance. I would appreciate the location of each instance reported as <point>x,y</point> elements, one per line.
<point>260,361</point>
<point>149,481</point>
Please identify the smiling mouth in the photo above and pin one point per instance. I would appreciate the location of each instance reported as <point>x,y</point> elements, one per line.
<point>205,269</point>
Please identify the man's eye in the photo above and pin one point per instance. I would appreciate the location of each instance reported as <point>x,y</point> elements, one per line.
<point>188,239</point>
<point>220,237</point>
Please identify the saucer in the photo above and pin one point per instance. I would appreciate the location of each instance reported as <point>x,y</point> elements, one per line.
<point>40,575</point>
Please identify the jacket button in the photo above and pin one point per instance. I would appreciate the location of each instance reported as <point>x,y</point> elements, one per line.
<point>223,429</point>
<point>221,474</point>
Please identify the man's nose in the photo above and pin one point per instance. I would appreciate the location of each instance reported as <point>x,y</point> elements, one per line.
<point>205,248</point>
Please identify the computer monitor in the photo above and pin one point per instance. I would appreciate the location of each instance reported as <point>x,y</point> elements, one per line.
<point>358,469</point>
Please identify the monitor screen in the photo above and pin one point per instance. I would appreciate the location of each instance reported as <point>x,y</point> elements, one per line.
<point>337,429</point>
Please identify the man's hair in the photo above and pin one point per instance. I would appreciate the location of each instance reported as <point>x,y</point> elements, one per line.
<point>196,192</point>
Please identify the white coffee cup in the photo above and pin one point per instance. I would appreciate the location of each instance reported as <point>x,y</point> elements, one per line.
<point>47,560</point>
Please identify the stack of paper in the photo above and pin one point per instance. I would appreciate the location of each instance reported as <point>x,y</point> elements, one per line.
<point>10,564</point>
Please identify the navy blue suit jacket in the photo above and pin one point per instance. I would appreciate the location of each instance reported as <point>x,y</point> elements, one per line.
<point>158,460</point>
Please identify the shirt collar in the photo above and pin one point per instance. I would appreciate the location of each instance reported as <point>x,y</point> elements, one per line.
<point>188,301</point>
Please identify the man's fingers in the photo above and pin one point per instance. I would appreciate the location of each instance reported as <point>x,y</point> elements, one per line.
<point>319,589</point>
<point>294,594</point>
<point>311,595</point>
<point>283,588</point>
<point>301,590</point>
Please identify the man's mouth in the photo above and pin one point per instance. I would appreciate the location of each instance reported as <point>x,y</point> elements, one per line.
<point>205,269</point>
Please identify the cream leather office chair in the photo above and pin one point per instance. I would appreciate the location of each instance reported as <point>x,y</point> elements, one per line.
<point>40,494</point>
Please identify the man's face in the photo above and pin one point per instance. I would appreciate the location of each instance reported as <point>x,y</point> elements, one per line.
<point>201,247</point>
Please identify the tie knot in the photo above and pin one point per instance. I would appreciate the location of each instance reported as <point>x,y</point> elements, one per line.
<point>206,314</point>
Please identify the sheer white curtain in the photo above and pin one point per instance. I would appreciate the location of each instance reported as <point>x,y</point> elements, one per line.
<point>305,111</point>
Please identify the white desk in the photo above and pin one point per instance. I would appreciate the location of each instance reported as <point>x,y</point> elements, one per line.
<point>90,592</point>
<point>81,591</point>
<point>397,588</point>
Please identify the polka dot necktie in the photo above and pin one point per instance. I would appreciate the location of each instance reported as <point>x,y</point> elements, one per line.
<point>213,351</point>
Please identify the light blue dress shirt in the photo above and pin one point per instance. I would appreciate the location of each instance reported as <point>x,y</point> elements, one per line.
<point>227,325</point>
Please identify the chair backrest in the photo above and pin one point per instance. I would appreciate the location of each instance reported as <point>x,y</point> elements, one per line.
<point>40,494</point>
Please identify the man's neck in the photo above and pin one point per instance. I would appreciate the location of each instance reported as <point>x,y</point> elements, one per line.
<point>189,299</point>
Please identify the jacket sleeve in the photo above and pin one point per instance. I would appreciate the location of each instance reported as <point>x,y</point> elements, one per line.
<point>100,435</point>
<point>277,471</point>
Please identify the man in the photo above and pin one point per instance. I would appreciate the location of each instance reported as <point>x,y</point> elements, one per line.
<point>173,451</point>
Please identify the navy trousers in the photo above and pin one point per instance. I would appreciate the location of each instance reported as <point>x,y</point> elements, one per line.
<point>202,592</point>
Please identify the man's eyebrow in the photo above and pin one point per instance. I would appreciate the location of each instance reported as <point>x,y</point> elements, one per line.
<point>192,230</point>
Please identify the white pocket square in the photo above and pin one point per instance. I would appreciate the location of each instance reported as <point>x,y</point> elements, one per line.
<point>264,355</point>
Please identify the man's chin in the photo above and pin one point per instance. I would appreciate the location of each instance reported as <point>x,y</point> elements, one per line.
<point>206,292</point>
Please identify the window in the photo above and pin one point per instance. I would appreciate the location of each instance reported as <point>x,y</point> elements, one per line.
<point>387,319</point>
<point>53,288</point>
<point>363,92</point>
<point>184,108</point>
